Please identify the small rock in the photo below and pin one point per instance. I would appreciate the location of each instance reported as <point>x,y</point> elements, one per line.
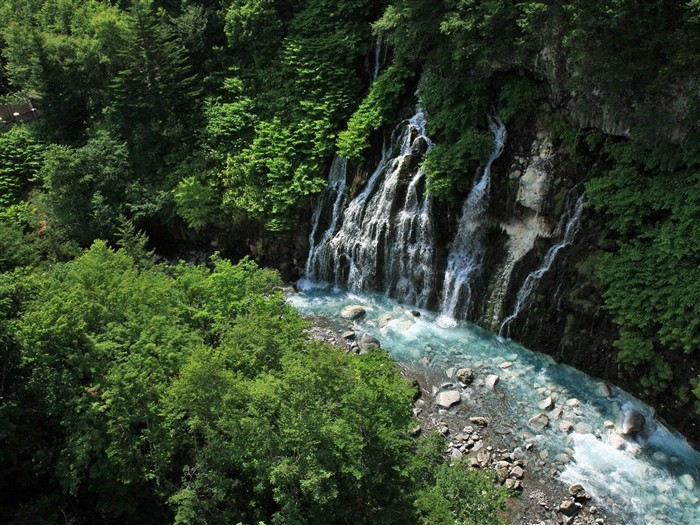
<point>456,453</point>
<point>491,381</point>
<point>583,428</point>
<point>353,311</point>
<point>563,458</point>
<point>538,421</point>
<point>505,364</point>
<point>448,398</point>
<point>450,372</point>
<point>617,441</point>
<point>483,456</point>
<point>573,402</point>
<point>556,413</point>
<point>687,481</point>
<point>565,426</point>
<point>633,422</point>
<point>465,375</point>
<point>604,390</point>
<point>385,319</point>
<point>517,472</point>
<point>513,484</point>
<point>578,492</point>
<point>478,420</point>
<point>547,403</point>
<point>367,341</point>
<point>608,424</point>
<point>568,508</point>
<point>474,463</point>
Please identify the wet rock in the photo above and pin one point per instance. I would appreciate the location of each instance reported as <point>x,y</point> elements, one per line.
<point>538,421</point>
<point>465,375</point>
<point>578,492</point>
<point>348,334</point>
<point>447,398</point>
<point>583,428</point>
<point>608,424</point>
<point>491,381</point>
<point>505,364</point>
<point>568,508</point>
<point>617,441</point>
<point>556,413</point>
<point>633,423</point>
<point>478,420</point>
<point>573,402</point>
<point>604,390</point>
<point>687,481</point>
<point>450,372</point>
<point>367,341</point>
<point>385,319</point>
<point>565,426</point>
<point>353,311</point>
<point>547,403</point>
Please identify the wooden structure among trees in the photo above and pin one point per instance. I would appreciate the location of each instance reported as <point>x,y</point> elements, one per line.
<point>17,113</point>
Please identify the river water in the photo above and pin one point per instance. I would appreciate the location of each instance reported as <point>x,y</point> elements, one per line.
<point>651,479</point>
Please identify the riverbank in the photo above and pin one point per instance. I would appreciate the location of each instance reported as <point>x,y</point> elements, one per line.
<point>488,441</point>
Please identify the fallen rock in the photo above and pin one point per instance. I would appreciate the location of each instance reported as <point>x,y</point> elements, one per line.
<point>385,319</point>
<point>478,420</point>
<point>483,457</point>
<point>348,334</point>
<point>547,403</point>
<point>517,472</point>
<point>538,421</point>
<point>565,426</point>
<point>513,484</point>
<point>568,508</point>
<point>491,381</point>
<point>617,441</point>
<point>505,364</point>
<point>573,402</point>
<point>633,423</point>
<point>578,492</point>
<point>353,311</point>
<point>502,469</point>
<point>367,341</point>
<point>605,390</point>
<point>465,375</point>
<point>447,398</point>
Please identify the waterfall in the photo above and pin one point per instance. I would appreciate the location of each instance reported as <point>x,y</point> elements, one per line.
<point>573,218</point>
<point>335,193</point>
<point>466,255</point>
<point>379,55</point>
<point>385,239</point>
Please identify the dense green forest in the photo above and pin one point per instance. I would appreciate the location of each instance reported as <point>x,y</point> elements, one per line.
<point>135,391</point>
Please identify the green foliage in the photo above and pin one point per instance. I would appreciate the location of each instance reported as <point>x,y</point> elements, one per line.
<point>21,155</point>
<point>88,187</point>
<point>461,495</point>
<point>374,112</point>
<point>652,278</point>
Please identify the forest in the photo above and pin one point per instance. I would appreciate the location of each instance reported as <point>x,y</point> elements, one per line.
<point>137,388</point>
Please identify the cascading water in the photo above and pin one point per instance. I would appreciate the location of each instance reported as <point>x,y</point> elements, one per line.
<point>466,254</point>
<point>335,193</point>
<point>385,240</point>
<point>572,220</point>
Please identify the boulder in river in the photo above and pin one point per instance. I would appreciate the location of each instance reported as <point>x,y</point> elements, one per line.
<point>538,421</point>
<point>353,311</point>
<point>447,398</point>
<point>367,341</point>
<point>465,375</point>
<point>633,423</point>
<point>491,381</point>
<point>385,319</point>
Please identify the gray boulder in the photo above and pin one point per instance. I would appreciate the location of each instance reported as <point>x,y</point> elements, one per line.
<point>633,423</point>
<point>367,341</point>
<point>465,375</point>
<point>353,311</point>
<point>447,398</point>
